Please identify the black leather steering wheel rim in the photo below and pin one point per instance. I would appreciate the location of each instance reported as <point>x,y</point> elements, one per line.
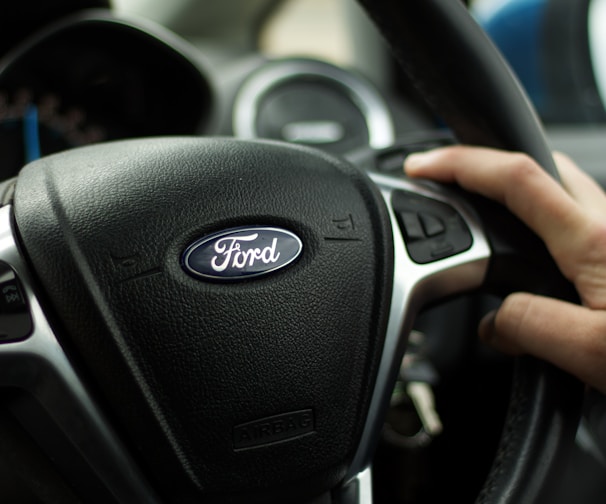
<point>461,74</point>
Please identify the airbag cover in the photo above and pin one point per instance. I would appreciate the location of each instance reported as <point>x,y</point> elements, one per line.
<point>255,387</point>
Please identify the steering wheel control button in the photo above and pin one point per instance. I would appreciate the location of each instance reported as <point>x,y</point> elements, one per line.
<point>391,159</point>
<point>240,253</point>
<point>432,229</point>
<point>15,319</point>
<point>411,225</point>
<point>439,250</point>
<point>433,226</point>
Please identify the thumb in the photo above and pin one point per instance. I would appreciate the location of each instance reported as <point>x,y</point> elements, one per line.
<point>570,336</point>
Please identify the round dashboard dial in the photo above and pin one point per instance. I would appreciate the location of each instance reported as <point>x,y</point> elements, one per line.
<point>314,103</point>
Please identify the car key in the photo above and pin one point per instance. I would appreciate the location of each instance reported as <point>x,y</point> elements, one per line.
<point>423,400</point>
<point>419,376</point>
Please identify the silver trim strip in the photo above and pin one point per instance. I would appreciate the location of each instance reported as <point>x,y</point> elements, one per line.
<point>39,366</point>
<point>372,106</point>
<point>597,44</point>
<point>365,487</point>
<point>414,286</point>
<point>358,490</point>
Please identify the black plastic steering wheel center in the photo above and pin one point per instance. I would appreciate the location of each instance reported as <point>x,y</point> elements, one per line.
<point>230,299</point>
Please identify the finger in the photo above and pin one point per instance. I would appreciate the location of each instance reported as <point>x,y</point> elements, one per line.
<point>519,183</point>
<point>571,337</point>
<point>583,188</point>
<point>477,169</point>
<point>512,179</point>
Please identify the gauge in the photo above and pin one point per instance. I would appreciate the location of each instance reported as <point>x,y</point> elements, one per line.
<point>94,77</point>
<point>315,103</point>
<point>32,127</point>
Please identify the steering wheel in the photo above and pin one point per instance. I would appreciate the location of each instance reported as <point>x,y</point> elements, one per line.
<point>219,320</point>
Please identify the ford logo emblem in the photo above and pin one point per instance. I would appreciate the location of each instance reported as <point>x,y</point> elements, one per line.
<point>239,253</point>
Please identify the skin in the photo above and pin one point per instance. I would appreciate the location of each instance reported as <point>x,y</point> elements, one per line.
<point>571,220</point>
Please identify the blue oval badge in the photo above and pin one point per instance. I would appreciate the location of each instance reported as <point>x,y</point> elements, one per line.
<point>239,253</point>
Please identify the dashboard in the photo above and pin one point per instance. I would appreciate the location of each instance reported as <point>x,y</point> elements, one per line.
<point>94,78</point>
<point>312,102</point>
<point>97,77</point>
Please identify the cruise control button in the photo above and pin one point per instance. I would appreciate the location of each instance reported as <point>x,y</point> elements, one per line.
<point>411,225</point>
<point>433,230</point>
<point>442,249</point>
<point>391,161</point>
<point>15,319</point>
<point>433,226</point>
<point>15,327</point>
<point>11,298</point>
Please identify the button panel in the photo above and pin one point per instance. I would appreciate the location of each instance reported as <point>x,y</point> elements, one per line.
<point>15,319</point>
<point>432,230</point>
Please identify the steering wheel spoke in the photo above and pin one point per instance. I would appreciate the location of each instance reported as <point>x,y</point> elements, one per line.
<point>51,401</point>
<point>415,286</point>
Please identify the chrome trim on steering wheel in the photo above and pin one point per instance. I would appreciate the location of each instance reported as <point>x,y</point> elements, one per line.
<point>416,285</point>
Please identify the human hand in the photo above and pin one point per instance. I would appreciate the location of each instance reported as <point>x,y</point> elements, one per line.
<point>571,220</point>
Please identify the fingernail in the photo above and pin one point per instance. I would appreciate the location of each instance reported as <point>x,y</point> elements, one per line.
<point>417,161</point>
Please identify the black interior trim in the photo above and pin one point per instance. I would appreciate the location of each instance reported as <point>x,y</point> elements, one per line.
<point>35,14</point>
